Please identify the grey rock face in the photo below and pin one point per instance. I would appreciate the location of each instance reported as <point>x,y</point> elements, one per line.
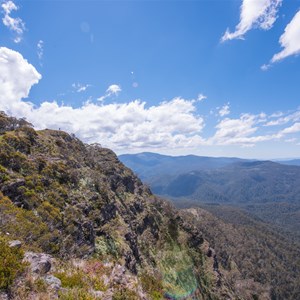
<point>53,281</point>
<point>40,263</point>
<point>15,244</point>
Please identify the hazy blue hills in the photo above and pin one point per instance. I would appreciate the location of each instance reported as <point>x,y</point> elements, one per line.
<point>268,190</point>
<point>148,165</point>
<point>217,180</point>
<point>293,162</point>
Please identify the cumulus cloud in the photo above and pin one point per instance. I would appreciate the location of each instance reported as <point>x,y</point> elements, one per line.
<point>16,25</point>
<point>127,125</point>
<point>289,40</point>
<point>229,131</point>
<point>170,124</point>
<point>239,131</point>
<point>224,110</point>
<point>79,87</point>
<point>17,76</point>
<point>173,124</point>
<point>254,14</point>
<point>112,90</point>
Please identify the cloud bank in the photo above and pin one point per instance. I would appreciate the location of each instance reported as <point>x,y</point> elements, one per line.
<point>173,124</point>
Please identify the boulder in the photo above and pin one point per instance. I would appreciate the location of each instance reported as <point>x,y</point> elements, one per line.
<point>3,296</point>
<point>15,244</point>
<point>53,281</point>
<point>118,275</point>
<point>40,263</point>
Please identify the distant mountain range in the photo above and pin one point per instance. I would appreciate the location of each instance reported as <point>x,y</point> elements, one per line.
<point>269,190</point>
<point>148,165</point>
<point>292,162</point>
<point>220,180</point>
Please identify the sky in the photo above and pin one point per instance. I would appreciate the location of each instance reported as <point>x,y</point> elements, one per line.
<point>213,78</point>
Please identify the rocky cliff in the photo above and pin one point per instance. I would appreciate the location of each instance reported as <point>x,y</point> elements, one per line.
<point>105,234</point>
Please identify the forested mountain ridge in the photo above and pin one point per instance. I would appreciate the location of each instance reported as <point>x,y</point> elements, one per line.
<point>88,228</point>
<point>148,165</point>
<point>252,246</point>
<point>220,180</point>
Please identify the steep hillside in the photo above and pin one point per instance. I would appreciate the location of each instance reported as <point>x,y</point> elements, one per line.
<point>77,208</point>
<point>255,248</point>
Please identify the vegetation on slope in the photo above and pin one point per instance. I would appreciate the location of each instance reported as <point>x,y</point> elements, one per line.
<point>253,246</point>
<point>71,200</point>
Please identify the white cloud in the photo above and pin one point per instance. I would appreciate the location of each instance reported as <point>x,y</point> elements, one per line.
<point>14,24</point>
<point>292,140</point>
<point>230,131</point>
<point>240,131</point>
<point>170,124</point>
<point>112,90</point>
<point>295,116</point>
<point>127,125</point>
<point>295,128</point>
<point>79,87</point>
<point>276,114</point>
<point>40,49</point>
<point>265,67</point>
<point>289,40</point>
<point>201,97</point>
<point>17,76</point>
<point>224,110</point>
<point>254,14</point>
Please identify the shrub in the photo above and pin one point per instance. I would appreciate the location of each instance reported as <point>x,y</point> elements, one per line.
<point>152,286</point>
<point>74,280</point>
<point>98,284</point>
<point>10,264</point>
<point>26,226</point>
<point>78,294</point>
<point>125,294</point>
<point>3,174</point>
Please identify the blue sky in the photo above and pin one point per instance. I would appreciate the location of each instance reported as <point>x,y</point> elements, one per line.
<point>217,78</point>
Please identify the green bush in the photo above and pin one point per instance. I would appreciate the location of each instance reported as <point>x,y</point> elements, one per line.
<point>78,294</point>
<point>125,294</point>
<point>74,280</point>
<point>10,264</point>
<point>26,226</point>
<point>152,286</point>
<point>3,174</point>
<point>98,284</point>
